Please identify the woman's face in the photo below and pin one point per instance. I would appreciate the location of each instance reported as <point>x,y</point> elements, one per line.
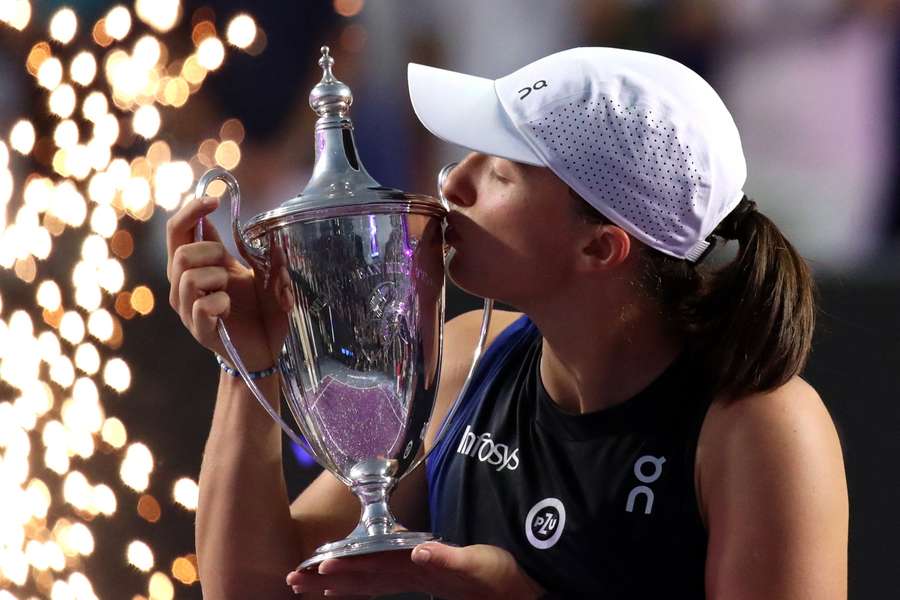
<point>513,229</point>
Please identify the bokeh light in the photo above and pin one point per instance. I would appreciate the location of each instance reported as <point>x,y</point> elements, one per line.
<point>95,164</point>
<point>21,137</point>
<point>186,493</point>
<point>63,25</point>
<point>146,121</point>
<point>241,31</point>
<point>140,556</point>
<point>83,68</point>
<point>62,101</point>
<point>184,570</point>
<point>118,22</point>
<point>117,375</point>
<point>348,8</point>
<point>210,53</point>
<point>50,73</point>
<point>160,587</point>
<point>162,15</point>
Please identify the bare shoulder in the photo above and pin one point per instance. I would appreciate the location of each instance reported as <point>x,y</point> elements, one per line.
<point>460,338</point>
<point>466,327</point>
<point>773,493</point>
<point>790,418</point>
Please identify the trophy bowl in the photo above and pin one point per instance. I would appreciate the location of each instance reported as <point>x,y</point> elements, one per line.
<point>355,273</point>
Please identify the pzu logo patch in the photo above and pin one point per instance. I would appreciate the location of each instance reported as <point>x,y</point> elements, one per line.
<point>545,522</point>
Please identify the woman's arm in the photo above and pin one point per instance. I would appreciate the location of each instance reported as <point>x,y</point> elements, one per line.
<point>245,535</point>
<point>246,538</point>
<point>773,491</point>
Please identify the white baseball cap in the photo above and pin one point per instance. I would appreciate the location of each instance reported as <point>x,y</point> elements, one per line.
<point>642,138</point>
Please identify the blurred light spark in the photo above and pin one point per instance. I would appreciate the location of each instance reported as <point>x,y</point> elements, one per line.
<point>186,493</point>
<point>117,375</point>
<point>21,137</point>
<point>90,176</point>
<point>160,587</point>
<point>62,101</point>
<point>50,73</point>
<point>63,25</point>
<point>162,15</point>
<point>146,121</point>
<point>140,556</point>
<point>210,53</point>
<point>118,22</point>
<point>83,68</point>
<point>241,31</point>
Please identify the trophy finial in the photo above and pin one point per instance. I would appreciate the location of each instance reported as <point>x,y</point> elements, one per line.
<point>330,97</point>
<point>326,62</point>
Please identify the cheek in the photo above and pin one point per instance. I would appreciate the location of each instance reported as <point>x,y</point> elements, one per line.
<point>515,250</point>
<point>512,266</point>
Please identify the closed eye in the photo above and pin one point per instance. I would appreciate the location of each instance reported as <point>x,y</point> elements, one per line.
<point>499,177</point>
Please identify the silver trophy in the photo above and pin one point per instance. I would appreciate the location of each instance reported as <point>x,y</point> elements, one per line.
<point>354,283</point>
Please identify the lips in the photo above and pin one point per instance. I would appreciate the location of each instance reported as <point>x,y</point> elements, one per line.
<point>450,234</point>
<point>451,231</point>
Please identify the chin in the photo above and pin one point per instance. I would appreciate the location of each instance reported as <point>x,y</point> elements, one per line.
<point>479,281</point>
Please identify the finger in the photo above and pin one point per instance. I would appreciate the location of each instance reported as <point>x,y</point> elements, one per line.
<point>206,311</point>
<point>365,584</point>
<point>441,556</point>
<point>192,256</point>
<point>210,233</point>
<point>199,282</point>
<point>180,228</point>
<point>382,562</point>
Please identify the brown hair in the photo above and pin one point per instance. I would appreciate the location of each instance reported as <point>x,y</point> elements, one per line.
<point>748,323</point>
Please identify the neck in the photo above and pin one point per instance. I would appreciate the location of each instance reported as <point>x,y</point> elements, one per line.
<point>601,359</point>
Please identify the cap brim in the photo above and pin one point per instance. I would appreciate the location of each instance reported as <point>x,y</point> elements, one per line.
<point>464,110</point>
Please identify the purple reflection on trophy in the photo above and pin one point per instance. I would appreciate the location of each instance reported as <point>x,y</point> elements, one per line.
<point>358,422</point>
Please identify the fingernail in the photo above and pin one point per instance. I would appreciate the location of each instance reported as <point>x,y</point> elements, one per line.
<point>422,555</point>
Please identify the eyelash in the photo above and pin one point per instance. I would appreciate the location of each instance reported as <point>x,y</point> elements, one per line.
<point>499,177</point>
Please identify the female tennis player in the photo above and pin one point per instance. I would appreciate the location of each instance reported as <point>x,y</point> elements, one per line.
<point>638,430</point>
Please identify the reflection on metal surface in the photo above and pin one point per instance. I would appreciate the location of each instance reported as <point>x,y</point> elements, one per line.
<point>361,332</point>
<point>353,298</point>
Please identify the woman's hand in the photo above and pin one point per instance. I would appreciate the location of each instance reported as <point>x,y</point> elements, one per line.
<point>453,573</point>
<point>208,283</point>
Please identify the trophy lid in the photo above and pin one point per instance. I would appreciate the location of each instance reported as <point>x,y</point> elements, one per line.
<point>340,184</point>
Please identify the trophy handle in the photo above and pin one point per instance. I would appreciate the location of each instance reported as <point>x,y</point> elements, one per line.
<point>479,348</point>
<point>253,254</point>
<point>476,357</point>
<point>257,258</point>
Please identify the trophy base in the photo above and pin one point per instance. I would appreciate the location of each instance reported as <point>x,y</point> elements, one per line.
<point>370,544</point>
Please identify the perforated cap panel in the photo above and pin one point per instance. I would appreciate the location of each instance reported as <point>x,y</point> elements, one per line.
<point>628,164</point>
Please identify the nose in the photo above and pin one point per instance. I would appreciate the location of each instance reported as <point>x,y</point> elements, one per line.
<point>441,180</point>
<point>455,186</point>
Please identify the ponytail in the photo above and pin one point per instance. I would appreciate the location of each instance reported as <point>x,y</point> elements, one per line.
<point>749,323</point>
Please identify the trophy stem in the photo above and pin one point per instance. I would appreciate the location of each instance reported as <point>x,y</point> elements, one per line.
<point>377,530</point>
<point>376,517</point>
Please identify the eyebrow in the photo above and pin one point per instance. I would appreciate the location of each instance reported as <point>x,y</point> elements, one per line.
<point>518,168</point>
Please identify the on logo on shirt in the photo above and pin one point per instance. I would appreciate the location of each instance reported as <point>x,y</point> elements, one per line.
<point>639,490</point>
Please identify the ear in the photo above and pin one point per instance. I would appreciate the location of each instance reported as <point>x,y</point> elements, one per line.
<point>607,247</point>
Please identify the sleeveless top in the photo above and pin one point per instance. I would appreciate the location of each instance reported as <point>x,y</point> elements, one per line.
<point>596,505</point>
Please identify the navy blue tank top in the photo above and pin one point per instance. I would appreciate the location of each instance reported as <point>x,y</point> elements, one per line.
<point>598,505</point>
